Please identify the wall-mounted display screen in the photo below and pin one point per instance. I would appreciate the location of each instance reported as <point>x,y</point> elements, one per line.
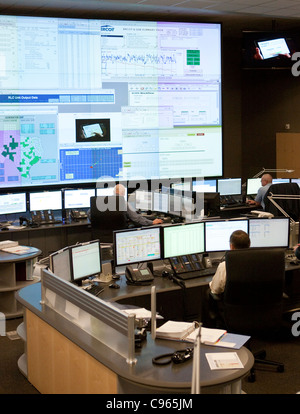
<point>85,99</point>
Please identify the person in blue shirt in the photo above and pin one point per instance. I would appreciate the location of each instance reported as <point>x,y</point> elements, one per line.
<point>266,182</point>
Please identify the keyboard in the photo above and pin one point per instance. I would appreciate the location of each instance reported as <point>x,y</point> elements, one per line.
<point>210,271</point>
<point>94,289</point>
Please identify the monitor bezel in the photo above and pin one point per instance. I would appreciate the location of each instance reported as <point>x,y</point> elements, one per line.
<point>116,232</point>
<point>79,280</point>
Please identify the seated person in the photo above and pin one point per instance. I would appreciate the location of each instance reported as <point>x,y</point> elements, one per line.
<point>238,240</point>
<point>266,182</point>
<point>132,215</point>
<point>297,251</point>
<point>213,305</point>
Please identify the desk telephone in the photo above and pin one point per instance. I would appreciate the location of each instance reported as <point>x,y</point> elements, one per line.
<point>43,217</point>
<point>78,214</point>
<point>138,276</point>
<point>189,263</point>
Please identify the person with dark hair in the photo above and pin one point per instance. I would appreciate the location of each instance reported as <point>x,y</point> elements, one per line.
<point>238,240</point>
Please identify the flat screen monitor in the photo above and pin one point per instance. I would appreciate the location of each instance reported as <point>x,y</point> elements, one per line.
<point>211,204</point>
<point>253,185</point>
<point>183,239</point>
<point>280,180</point>
<point>109,98</point>
<point>109,191</point>
<point>230,186</point>
<point>79,198</point>
<point>160,202</point>
<point>85,260</point>
<point>175,204</point>
<point>143,200</point>
<point>296,180</point>
<point>185,186</point>
<point>205,186</point>
<point>60,263</point>
<point>45,200</point>
<point>217,233</point>
<point>137,245</point>
<point>12,203</point>
<point>274,232</point>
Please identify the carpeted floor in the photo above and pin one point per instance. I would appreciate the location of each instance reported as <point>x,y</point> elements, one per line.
<point>268,381</point>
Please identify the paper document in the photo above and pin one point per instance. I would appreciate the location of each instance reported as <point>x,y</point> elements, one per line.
<point>17,250</point>
<point>224,360</point>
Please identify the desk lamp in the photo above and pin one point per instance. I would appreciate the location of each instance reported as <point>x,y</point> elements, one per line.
<point>269,170</point>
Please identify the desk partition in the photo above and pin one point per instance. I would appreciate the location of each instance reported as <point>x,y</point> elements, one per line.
<point>100,319</point>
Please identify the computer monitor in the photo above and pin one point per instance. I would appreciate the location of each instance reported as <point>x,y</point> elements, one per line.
<point>108,191</point>
<point>60,264</point>
<point>266,232</point>
<point>175,204</point>
<point>79,198</point>
<point>160,202</point>
<point>45,200</point>
<point>183,239</point>
<point>12,203</point>
<point>143,200</point>
<point>185,186</point>
<point>211,204</point>
<point>217,233</point>
<point>137,245</point>
<point>280,180</point>
<point>205,186</point>
<point>296,180</point>
<point>253,185</point>
<point>85,261</point>
<point>229,186</point>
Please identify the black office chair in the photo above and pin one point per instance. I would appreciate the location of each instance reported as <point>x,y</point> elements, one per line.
<point>103,223</point>
<point>253,296</point>
<point>290,206</point>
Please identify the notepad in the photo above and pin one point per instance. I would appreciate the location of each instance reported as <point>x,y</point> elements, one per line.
<point>188,331</point>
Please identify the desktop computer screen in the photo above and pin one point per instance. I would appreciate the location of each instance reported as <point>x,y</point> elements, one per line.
<point>60,264</point>
<point>160,202</point>
<point>205,186</point>
<point>295,180</point>
<point>185,186</point>
<point>12,203</point>
<point>143,200</point>
<point>183,239</point>
<point>229,186</point>
<point>253,185</point>
<point>265,232</point>
<point>280,180</point>
<point>45,200</point>
<point>137,245</point>
<point>217,233</point>
<point>85,260</point>
<point>79,198</point>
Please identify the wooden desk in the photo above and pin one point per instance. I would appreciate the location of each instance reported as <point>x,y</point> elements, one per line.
<point>16,271</point>
<point>62,358</point>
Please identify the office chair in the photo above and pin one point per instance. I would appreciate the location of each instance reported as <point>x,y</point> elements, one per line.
<point>103,223</point>
<point>252,299</point>
<point>290,206</point>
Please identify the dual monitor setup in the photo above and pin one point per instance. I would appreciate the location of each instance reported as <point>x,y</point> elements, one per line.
<point>144,245</point>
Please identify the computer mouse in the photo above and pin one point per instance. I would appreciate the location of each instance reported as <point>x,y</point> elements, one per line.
<point>114,286</point>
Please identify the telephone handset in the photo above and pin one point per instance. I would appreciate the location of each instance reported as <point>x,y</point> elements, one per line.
<point>138,276</point>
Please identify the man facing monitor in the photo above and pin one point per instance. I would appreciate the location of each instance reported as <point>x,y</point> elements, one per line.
<point>239,239</point>
<point>266,182</point>
<point>132,215</point>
